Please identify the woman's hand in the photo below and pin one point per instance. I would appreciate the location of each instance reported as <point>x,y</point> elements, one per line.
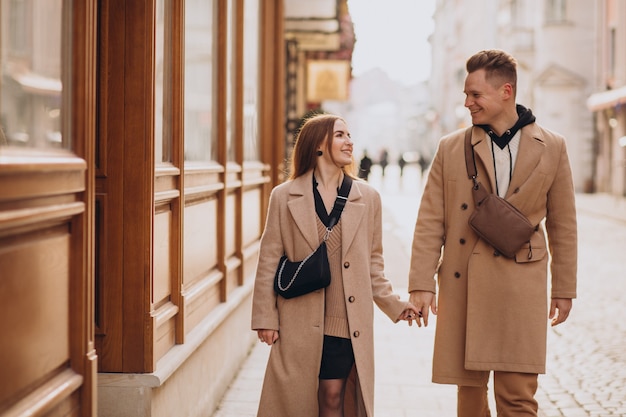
<point>267,336</point>
<point>409,314</point>
<point>423,300</point>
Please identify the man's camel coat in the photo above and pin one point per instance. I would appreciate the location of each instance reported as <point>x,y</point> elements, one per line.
<point>291,379</point>
<point>493,311</point>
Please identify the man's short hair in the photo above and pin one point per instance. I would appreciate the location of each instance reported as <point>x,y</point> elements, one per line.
<point>499,66</point>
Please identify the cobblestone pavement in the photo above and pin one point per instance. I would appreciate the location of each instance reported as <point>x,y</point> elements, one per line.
<point>586,369</point>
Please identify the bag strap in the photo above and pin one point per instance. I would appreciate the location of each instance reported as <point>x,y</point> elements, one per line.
<point>340,202</point>
<point>478,191</point>
<point>470,162</point>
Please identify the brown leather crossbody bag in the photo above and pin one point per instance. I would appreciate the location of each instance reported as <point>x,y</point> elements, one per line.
<point>495,220</point>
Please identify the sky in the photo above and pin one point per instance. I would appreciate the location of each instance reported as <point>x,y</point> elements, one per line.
<point>393,35</point>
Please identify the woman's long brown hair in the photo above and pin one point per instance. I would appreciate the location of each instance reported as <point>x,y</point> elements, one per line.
<point>313,132</point>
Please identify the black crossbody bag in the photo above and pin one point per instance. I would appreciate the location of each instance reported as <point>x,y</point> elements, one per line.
<point>294,279</point>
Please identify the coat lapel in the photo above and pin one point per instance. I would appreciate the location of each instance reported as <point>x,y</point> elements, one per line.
<point>531,148</point>
<point>351,217</point>
<point>301,201</point>
<point>483,156</point>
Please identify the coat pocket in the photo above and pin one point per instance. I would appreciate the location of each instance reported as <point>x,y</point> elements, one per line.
<point>530,253</point>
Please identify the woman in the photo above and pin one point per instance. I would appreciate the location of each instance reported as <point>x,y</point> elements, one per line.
<point>322,356</point>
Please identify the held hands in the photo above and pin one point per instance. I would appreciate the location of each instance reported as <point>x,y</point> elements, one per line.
<point>422,300</point>
<point>267,336</point>
<point>409,314</point>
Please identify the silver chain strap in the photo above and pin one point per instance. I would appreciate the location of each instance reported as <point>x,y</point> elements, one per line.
<point>300,265</point>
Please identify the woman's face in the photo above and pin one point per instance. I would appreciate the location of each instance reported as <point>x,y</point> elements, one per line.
<point>342,146</point>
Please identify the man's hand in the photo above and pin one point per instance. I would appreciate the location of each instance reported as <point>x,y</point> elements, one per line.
<point>559,310</point>
<point>422,300</point>
<point>267,336</point>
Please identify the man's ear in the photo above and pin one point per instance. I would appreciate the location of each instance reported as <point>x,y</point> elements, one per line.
<point>506,91</point>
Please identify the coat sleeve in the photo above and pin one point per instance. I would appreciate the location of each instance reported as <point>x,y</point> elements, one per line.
<point>562,229</point>
<point>429,234</point>
<point>382,290</point>
<point>264,308</point>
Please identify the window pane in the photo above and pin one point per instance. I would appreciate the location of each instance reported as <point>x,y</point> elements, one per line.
<point>162,139</point>
<point>31,87</point>
<point>251,80</point>
<point>555,12</point>
<point>199,46</point>
<point>230,69</point>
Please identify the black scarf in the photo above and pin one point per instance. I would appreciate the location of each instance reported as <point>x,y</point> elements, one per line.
<point>526,117</point>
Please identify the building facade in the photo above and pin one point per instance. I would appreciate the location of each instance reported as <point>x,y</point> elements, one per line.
<point>548,38</point>
<point>608,102</point>
<point>140,141</point>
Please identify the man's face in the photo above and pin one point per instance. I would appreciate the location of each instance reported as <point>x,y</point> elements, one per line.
<point>484,101</point>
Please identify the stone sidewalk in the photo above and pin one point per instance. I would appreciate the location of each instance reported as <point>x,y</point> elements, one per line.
<point>602,205</point>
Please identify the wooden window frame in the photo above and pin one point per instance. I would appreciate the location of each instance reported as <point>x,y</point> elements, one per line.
<point>46,192</point>
<point>136,330</point>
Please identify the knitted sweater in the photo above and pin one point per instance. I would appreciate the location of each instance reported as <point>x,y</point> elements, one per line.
<point>335,316</point>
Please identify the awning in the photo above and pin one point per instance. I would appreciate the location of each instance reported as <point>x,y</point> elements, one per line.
<point>606,99</point>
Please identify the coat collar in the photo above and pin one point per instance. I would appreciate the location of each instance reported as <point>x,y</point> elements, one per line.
<point>302,208</point>
<point>530,150</point>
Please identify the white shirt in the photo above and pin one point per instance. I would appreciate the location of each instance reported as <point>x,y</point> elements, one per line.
<point>504,162</point>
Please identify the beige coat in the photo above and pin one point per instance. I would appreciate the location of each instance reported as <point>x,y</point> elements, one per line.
<point>291,379</point>
<point>493,311</point>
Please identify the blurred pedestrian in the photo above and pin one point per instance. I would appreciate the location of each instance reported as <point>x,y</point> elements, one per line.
<point>492,311</point>
<point>383,161</point>
<point>322,356</point>
<point>401,164</point>
<point>365,166</point>
<point>423,163</point>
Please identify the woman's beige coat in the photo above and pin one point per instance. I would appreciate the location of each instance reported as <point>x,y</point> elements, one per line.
<point>493,311</point>
<point>291,379</point>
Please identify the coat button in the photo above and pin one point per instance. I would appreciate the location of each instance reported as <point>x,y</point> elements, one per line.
<point>346,264</point>
<point>462,241</point>
<point>351,299</point>
<point>356,334</point>
<point>457,275</point>
<point>464,206</point>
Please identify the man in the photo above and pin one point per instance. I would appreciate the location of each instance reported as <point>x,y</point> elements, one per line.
<point>365,166</point>
<point>492,311</point>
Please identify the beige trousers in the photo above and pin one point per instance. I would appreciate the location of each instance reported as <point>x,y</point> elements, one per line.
<point>514,393</point>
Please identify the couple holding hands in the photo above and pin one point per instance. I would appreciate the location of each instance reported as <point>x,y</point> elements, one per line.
<point>492,310</point>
